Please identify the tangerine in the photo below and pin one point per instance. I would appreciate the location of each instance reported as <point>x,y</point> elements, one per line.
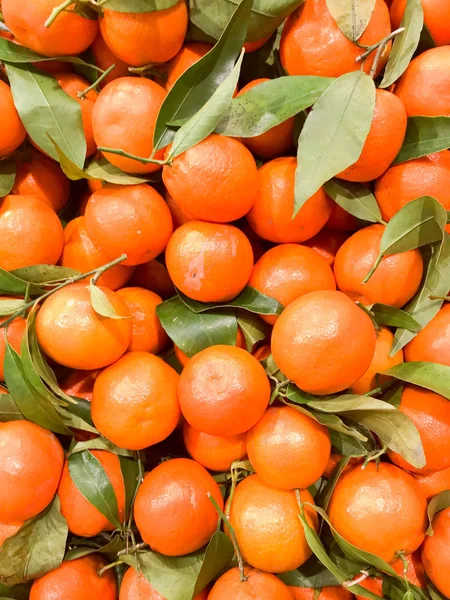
<point>13,132</point>
<point>213,452</point>
<point>432,343</point>
<point>257,584</point>
<point>435,556</point>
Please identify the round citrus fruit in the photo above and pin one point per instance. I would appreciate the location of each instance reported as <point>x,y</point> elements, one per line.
<point>327,243</point>
<point>167,74</point>
<point>432,484</point>
<point>153,276</point>
<point>213,452</point>
<point>435,14</point>
<point>432,343</point>
<point>13,131</point>
<point>257,584</point>
<point>326,593</point>
<point>104,59</point>
<point>435,552</point>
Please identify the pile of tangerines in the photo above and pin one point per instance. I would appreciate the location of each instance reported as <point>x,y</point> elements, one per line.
<point>224,278</point>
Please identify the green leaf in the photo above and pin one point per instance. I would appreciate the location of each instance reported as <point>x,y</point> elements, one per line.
<point>254,329</point>
<point>405,43</point>
<point>17,592</point>
<point>200,125</point>
<point>349,446</point>
<point>110,549</point>
<point>355,199</point>
<point>101,304</point>
<point>271,103</point>
<point>440,502</point>
<point>102,169</point>
<point>137,6</point>
<point>8,306</point>
<point>211,16</point>
<point>334,133</point>
<point>350,402</point>
<point>324,497</point>
<point>194,332</point>
<point>424,135</point>
<point>312,574</point>
<point>249,299</point>
<point>34,406</point>
<point>396,431</point>
<point>45,273</point>
<point>100,443</point>
<point>218,555</point>
<point>70,169</point>
<point>353,17</point>
<point>198,83</point>
<point>8,409</point>
<point>173,578</point>
<point>435,283</point>
<point>7,176</point>
<point>432,376</point>
<point>130,474</point>
<point>48,112</point>
<point>90,478</point>
<point>37,548</point>
<point>434,594</point>
<point>394,317</point>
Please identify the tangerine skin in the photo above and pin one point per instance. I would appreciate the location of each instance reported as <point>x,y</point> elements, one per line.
<point>75,580</point>
<point>432,484</point>
<point>430,413</point>
<point>136,587</point>
<point>271,214</point>
<point>435,555</point>
<point>259,585</point>
<point>312,43</point>
<point>141,39</point>
<point>314,342</point>
<point>268,531</point>
<point>167,74</point>
<point>13,134</point>
<point>213,452</point>
<point>173,512</point>
<point>394,282</point>
<point>140,387</point>
<point>435,13</point>
<point>327,593</point>
<point>432,343</point>
<point>223,391</point>
<point>288,449</point>
<point>104,58</point>
<point>382,510</point>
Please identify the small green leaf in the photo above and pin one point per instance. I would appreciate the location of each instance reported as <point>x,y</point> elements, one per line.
<point>435,283</point>
<point>200,125</point>
<point>334,133</point>
<point>173,578</point>
<point>432,376</point>
<point>249,299</point>
<point>271,103</point>
<point>194,332</point>
<point>424,135</point>
<point>130,474</point>
<point>100,443</point>
<point>354,198</point>
<point>211,16</point>
<point>70,169</point>
<point>350,402</point>
<point>92,481</point>
<point>137,6</point>
<point>45,273</point>
<point>8,306</point>
<point>8,409</point>
<point>34,406</point>
<point>101,304</point>
<point>440,502</point>
<point>394,317</point>
<point>110,549</point>
<point>434,594</point>
<point>198,83</point>
<point>37,548</point>
<point>218,555</point>
<point>103,170</point>
<point>324,497</point>
<point>254,329</point>
<point>405,43</point>
<point>7,176</point>
<point>349,446</point>
<point>353,17</point>
<point>48,112</point>
<point>312,574</point>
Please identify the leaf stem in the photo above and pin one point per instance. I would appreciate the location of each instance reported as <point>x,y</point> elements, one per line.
<point>96,82</point>
<point>111,566</point>
<point>233,538</point>
<point>373,269</point>
<point>141,159</point>
<point>444,298</point>
<point>362,57</point>
<point>56,11</point>
<point>96,273</point>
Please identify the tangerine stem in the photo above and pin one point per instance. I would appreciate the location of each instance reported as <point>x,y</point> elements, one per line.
<point>373,269</point>
<point>56,11</point>
<point>111,566</point>
<point>95,272</point>
<point>96,82</point>
<point>382,42</point>
<point>141,159</point>
<point>233,538</point>
<point>444,298</point>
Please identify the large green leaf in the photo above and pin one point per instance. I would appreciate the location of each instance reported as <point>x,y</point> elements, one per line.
<point>432,376</point>
<point>352,17</point>
<point>249,299</point>
<point>271,103</point>
<point>8,409</point>
<point>90,478</point>
<point>105,171</point>
<point>334,133</point>
<point>384,314</point>
<point>193,332</point>
<point>131,479</point>
<point>354,198</point>
<point>211,16</point>
<point>424,306</point>
<point>312,574</point>
<point>138,6</point>
<point>218,555</point>
<point>197,84</point>
<point>173,578</point>
<point>47,112</point>
<point>37,548</point>
<point>405,43</point>
<point>424,135</point>
<point>200,125</point>
<point>7,176</point>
